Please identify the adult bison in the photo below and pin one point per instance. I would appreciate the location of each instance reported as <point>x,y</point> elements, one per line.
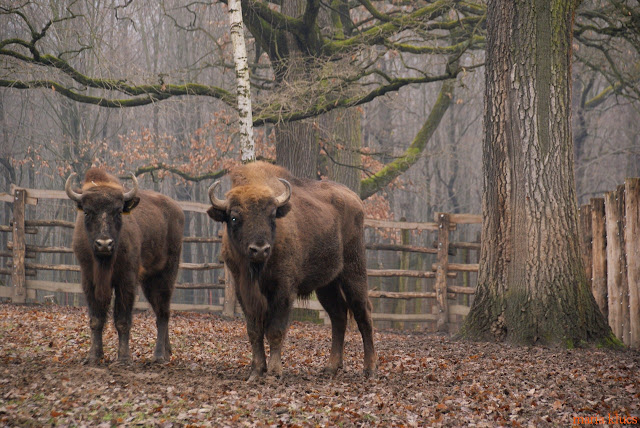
<point>286,237</point>
<point>116,251</point>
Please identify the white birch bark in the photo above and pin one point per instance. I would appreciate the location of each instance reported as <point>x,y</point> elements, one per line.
<point>247,146</point>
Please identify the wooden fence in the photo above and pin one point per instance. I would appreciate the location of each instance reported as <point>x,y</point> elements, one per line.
<point>611,251</point>
<point>446,311</point>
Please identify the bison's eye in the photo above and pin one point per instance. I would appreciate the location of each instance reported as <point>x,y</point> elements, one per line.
<point>234,220</point>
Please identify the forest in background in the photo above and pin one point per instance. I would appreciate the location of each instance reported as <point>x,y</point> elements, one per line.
<point>172,142</point>
<point>179,142</point>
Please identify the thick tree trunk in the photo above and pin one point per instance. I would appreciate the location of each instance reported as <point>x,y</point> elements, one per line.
<point>297,146</point>
<point>344,134</point>
<point>532,286</point>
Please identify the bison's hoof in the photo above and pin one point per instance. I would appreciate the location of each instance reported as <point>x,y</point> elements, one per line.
<point>160,359</point>
<point>123,361</point>
<point>92,360</point>
<point>370,373</point>
<point>254,376</point>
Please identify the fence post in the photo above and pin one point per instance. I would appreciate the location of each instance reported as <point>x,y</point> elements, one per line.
<point>616,264</point>
<point>442,323</point>
<point>599,255</point>
<point>586,238</point>
<point>19,247</point>
<point>632,244</point>
<point>229,305</point>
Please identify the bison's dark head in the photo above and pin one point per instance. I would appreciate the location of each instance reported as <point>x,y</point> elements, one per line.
<point>250,212</point>
<point>103,204</point>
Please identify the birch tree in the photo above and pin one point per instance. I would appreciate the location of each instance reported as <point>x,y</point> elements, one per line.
<point>245,113</point>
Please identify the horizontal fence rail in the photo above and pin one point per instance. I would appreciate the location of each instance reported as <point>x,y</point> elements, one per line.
<point>23,266</point>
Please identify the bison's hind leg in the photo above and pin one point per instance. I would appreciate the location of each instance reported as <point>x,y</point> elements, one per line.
<point>334,303</point>
<point>158,290</point>
<point>356,292</point>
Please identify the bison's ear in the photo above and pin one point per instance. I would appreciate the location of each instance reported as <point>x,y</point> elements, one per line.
<point>217,215</point>
<point>283,210</point>
<point>130,205</point>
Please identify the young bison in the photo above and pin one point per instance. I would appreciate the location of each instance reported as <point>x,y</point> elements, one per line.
<point>122,237</point>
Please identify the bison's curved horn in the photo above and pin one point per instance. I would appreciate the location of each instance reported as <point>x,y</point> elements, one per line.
<point>74,196</point>
<point>220,204</point>
<point>284,198</point>
<point>132,193</point>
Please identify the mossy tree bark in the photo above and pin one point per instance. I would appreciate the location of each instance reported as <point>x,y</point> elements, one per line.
<point>532,287</point>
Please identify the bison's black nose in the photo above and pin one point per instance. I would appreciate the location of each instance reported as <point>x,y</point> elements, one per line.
<point>259,253</point>
<point>103,246</point>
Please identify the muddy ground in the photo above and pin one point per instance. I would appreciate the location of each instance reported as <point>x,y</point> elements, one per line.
<point>423,379</point>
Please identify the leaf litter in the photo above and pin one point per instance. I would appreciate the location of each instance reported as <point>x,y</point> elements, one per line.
<point>423,379</point>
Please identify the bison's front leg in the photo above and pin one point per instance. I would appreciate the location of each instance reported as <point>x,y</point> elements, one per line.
<point>255,331</point>
<point>97,318</point>
<point>122,310</point>
<point>96,323</point>
<point>277,323</point>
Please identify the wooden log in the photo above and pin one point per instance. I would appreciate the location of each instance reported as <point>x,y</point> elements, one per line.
<point>7,292</point>
<point>586,238</point>
<point>465,245</point>
<point>442,324</point>
<point>632,249</point>
<point>405,248</point>
<point>465,218</point>
<point>52,223</point>
<point>29,254</point>
<point>599,255</point>
<point>41,249</point>
<point>43,193</point>
<point>29,200</point>
<point>404,317</point>
<point>42,266</point>
<point>201,266</point>
<point>63,287</point>
<point>410,225</point>
<point>27,230</point>
<point>142,305</point>
<point>6,271</point>
<point>194,206</point>
<point>402,294</point>
<point>617,289</point>
<point>461,290</point>
<point>199,286</point>
<point>459,267</point>
<point>201,239</point>
<point>19,247</point>
<point>407,273</point>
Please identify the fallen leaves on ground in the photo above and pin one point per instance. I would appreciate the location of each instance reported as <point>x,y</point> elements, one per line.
<point>423,379</point>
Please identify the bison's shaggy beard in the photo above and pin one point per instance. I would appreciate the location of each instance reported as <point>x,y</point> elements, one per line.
<point>102,274</point>
<point>254,301</point>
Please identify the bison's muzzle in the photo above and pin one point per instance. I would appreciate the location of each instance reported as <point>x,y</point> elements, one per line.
<point>103,247</point>
<point>258,253</point>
